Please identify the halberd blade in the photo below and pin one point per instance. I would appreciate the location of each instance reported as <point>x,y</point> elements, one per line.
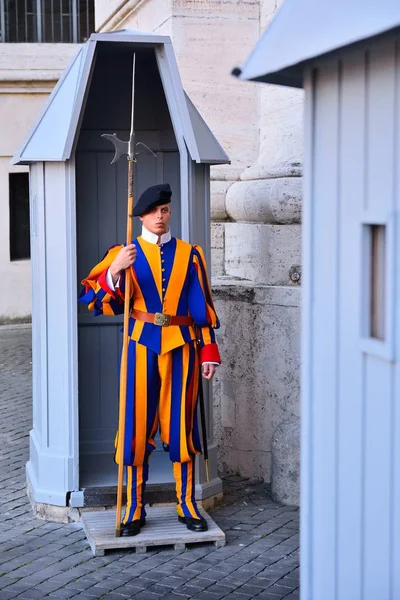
<point>146,149</point>
<point>120,146</point>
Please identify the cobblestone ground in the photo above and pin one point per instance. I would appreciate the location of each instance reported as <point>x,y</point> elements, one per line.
<point>39,559</point>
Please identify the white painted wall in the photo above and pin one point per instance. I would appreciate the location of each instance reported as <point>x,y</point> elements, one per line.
<point>16,300</point>
<point>350,383</point>
<point>28,73</point>
<point>152,16</point>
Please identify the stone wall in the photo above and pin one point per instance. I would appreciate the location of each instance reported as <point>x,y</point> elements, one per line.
<point>256,387</point>
<point>257,258</point>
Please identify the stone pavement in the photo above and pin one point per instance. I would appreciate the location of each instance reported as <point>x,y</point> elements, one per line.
<point>40,559</point>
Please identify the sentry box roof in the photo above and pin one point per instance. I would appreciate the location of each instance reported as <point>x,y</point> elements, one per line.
<point>305,30</point>
<point>54,135</point>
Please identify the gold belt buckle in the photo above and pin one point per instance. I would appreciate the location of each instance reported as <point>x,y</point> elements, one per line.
<point>162,320</point>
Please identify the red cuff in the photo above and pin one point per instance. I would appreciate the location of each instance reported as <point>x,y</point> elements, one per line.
<point>102,280</point>
<point>210,353</point>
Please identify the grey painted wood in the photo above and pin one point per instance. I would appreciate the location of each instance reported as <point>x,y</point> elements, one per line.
<point>378,373</point>
<point>170,173</point>
<point>99,470</point>
<point>56,305</point>
<point>395,431</point>
<point>377,476</point>
<point>50,469</point>
<point>210,149</point>
<point>101,223</point>
<point>350,382</point>
<point>324,314</point>
<point>379,126</point>
<point>350,413</point>
<point>307,345</point>
<point>39,331</point>
<point>162,528</point>
<point>131,35</point>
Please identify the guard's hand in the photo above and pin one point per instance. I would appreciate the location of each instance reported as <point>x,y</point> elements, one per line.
<point>125,258</point>
<point>209,371</point>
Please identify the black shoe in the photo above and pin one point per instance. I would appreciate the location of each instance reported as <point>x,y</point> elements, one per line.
<point>132,528</point>
<point>194,524</point>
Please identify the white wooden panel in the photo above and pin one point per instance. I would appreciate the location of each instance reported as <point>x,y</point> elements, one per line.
<point>306,432</point>
<point>41,291</point>
<point>379,172</point>
<point>380,133</point>
<point>395,466</point>
<point>350,396</point>
<point>325,317</point>
<point>57,305</point>
<point>377,484</point>
<point>36,197</point>
<point>350,409</point>
<point>71,324</point>
<point>378,442</point>
<point>52,469</point>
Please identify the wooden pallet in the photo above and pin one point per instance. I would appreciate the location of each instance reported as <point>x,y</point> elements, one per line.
<point>162,529</point>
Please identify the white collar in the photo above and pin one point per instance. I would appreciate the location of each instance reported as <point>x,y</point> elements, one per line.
<point>153,237</point>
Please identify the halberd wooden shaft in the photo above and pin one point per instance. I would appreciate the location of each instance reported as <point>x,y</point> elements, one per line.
<point>128,148</point>
<point>124,358</point>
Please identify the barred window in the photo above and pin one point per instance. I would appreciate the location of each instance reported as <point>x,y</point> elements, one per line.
<point>19,216</point>
<point>51,21</point>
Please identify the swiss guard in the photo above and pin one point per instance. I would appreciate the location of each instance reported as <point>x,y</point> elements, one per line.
<point>172,315</point>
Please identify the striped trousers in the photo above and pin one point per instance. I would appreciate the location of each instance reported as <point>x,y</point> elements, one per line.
<point>161,395</point>
<point>136,478</point>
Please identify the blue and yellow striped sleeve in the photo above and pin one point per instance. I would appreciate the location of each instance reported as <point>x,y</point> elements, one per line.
<point>97,295</point>
<point>201,307</point>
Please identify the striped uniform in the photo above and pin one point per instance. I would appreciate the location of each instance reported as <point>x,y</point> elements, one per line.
<point>163,366</point>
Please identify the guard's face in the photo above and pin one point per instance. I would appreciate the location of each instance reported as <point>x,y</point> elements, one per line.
<point>157,220</point>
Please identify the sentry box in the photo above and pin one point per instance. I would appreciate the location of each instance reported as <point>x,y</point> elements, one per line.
<point>78,210</point>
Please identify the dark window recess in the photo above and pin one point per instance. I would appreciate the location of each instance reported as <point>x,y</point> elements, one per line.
<point>377,281</point>
<point>19,216</point>
<point>51,21</point>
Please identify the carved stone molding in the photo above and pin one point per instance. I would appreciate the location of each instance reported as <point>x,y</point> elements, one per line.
<point>274,201</point>
<point>272,171</point>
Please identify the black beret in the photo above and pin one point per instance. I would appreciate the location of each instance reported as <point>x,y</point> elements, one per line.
<point>153,196</point>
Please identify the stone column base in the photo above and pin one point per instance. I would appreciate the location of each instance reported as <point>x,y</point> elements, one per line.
<point>285,472</point>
